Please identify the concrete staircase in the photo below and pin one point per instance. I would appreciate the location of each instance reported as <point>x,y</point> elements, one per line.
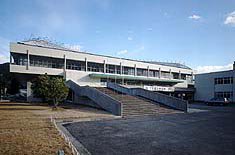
<point>135,106</point>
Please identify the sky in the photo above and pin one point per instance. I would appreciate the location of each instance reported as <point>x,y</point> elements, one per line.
<point>197,33</point>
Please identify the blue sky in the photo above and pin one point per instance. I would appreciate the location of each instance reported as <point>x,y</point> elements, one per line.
<point>199,33</point>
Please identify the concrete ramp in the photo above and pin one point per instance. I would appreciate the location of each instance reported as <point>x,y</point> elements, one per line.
<point>103,100</point>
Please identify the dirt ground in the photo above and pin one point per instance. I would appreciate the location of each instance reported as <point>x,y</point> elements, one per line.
<point>26,129</point>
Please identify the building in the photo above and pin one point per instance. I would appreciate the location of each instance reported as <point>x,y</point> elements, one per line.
<point>215,85</point>
<point>30,58</point>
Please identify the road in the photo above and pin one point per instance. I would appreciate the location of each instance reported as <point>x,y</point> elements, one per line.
<point>208,132</point>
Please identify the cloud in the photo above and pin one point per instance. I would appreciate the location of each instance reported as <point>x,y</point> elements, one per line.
<point>208,69</point>
<point>3,58</point>
<point>129,38</point>
<point>4,44</point>
<point>122,52</point>
<point>150,29</point>
<point>230,19</point>
<point>4,50</point>
<point>194,17</point>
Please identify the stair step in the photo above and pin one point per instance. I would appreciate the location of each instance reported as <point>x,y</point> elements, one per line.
<point>135,106</point>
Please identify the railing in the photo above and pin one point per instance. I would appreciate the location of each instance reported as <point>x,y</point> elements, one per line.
<point>104,101</point>
<point>169,101</point>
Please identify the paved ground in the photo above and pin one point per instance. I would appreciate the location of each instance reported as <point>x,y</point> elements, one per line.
<point>207,132</point>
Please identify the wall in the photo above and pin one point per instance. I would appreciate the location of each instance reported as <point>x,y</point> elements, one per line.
<point>82,78</point>
<point>169,101</point>
<point>41,51</point>
<point>205,88</point>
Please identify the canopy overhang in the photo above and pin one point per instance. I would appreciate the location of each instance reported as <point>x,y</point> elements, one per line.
<point>129,77</point>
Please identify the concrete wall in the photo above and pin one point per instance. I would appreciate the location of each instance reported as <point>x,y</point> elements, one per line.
<point>55,53</point>
<point>104,101</point>
<point>83,100</point>
<point>169,101</point>
<point>205,87</point>
<point>35,70</point>
<point>82,78</point>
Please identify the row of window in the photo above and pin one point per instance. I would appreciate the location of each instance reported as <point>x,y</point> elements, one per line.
<point>39,61</point>
<point>224,95</point>
<point>224,80</point>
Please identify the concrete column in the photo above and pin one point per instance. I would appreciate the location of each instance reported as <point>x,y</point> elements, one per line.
<point>192,77</point>
<point>159,72</point>
<point>28,61</point>
<point>104,66</point>
<point>86,64</point>
<point>29,92</point>
<point>10,58</point>
<point>65,65</point>
<point>135,70</point>
<point>148,71</point>
<point>65,62</point>
<point>179,74</point>
<point>170,74</point>
<point>120,68</point>
<point>115,69</point>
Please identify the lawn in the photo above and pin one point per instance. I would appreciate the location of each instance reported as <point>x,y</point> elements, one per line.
<point>22,131</point>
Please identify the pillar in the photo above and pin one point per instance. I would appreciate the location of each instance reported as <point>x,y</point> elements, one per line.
<point>65,65</point>
<point>86,64</point>
<point>159,72</point>
<point>28,61</point>
<point>170,74</point>
<point>148,71</point>
<point>120,68</point>
<point>179,74</point>
<point>135,70</point>
<point>10,58</point>
<point>104,66</point>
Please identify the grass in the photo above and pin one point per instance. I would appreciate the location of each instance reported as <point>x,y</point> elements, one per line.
<point>24,132</point>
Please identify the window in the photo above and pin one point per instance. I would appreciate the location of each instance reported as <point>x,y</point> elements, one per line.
<point>175,75</point>
<point>128,70</point>
<point>228,95</point>
<point>95,67</point>
<point>75,65</point>
<point>142,72</point>
<point>224,80</point>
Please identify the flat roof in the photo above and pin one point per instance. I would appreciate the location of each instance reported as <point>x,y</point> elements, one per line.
<point>216,72</point>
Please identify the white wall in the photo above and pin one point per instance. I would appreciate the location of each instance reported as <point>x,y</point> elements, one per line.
<point>82,78</point>
<point>41,51</point>
<point>205,88</point>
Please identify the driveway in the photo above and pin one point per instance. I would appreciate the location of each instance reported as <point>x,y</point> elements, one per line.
<point>209,131</point>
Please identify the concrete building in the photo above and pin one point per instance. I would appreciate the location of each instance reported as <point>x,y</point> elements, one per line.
<point>31,58</point>
<point>215,85</point>
<point>120,86</point>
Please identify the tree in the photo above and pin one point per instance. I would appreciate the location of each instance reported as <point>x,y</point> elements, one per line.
<point>50,89</point>
<point>6,80</point>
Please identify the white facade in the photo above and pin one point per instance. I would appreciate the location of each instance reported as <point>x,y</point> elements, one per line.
<point>25,59</point>
<point>213,85</point>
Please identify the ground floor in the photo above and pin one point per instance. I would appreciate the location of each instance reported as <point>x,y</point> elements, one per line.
<point>204,130</point>
<point>21,83</point>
